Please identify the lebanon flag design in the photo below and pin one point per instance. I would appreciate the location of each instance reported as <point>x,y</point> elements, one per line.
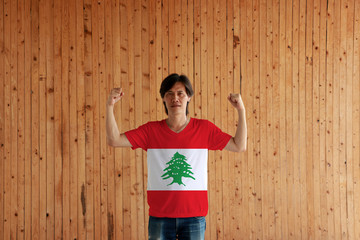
<point>177,165</point>
<point>177,169</point>
<point>177,177</point>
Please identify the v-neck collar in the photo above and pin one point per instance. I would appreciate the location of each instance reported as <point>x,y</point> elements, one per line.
<point>168,129</point>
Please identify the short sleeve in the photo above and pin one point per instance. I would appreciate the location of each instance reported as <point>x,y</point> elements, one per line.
<point>139,137</point>
<point>217,138</point>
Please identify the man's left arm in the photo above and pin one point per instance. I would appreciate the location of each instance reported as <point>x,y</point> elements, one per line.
<point>238,142</point>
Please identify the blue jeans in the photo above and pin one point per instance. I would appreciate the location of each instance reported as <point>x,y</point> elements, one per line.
<point>192,228</point>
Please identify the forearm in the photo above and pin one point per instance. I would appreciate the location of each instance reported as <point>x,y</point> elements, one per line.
<point>240,137</point>
<point>112,130</point>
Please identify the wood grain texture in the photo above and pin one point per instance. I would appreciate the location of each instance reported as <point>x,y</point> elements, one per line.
<point>296,64</point>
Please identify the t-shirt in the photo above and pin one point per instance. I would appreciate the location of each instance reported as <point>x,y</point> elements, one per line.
<point>177,165</point>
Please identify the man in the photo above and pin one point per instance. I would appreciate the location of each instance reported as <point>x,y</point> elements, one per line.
<point>177,152</point>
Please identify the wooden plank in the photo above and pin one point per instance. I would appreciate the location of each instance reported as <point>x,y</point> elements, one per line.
<point>27,116</point>
<point>165,40</point>
<point>73,135</point>
<point>282,124</point>
<point>88,111</point>
<point>190,48</point>
<point>224,159</point>
<point>65,120</point>
<point>103,98</point>
<point>263,119</point>
<point>336,112</point>
<point>248,95</point>
<point>35,180</point>
<point>295,116</point>
<point>171,36</point>
<point>309,119</point>
<point>302,118</point>
<point>130,123</point>
<point>184,38</point>
<point>269,122</point>
<point>329,119</point>
<point>223,118</point>
<point>316,117</point>
<point>50,134</point>
<point>322,119</point>
<point>126,73</point>
<point>21,120</point>
<point>203,58</point>
<point>356,118</point>
<point>289,123</point>
<point>96,118</point>
<point>158,57</point>
<point>7,121</point>
<point>349,119</point>
<point>197,60</point>
<point>175,7</point>
<point>50,138</point>
<point>13,120</point>
<point>276,117</point>
<point>257,193</point>
<point>43,19</point>
<point>130,168</point>
<point>2,114</point>
<point>50,124</point>
<point>342,120</point>
<point>80,106</point>
<point>153,87</point>
<point>58,158</point>
<point>131,176</point>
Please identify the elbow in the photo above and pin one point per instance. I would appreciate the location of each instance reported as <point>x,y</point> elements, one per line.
<point>242,149</point>
<point>237,146</point>
<point>110,142</point>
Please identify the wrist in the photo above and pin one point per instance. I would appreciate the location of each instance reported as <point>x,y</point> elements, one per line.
<point>241,110</point>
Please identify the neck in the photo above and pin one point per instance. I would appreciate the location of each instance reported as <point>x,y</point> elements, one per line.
<point>177,122</point>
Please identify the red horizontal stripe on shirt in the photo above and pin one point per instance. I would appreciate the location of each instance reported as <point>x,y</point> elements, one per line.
<point>177,204</point>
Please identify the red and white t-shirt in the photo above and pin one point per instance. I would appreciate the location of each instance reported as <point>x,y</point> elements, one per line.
<point>177,165</point>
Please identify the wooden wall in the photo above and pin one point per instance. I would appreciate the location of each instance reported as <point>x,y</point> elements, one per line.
<point>296,63</point>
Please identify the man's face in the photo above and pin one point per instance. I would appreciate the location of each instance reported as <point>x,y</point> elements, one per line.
<point>176,99</point>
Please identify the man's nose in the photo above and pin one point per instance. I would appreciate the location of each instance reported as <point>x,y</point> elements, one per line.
<point>175,98</point>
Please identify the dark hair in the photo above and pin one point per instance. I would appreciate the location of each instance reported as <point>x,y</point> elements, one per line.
<point>170,81</point>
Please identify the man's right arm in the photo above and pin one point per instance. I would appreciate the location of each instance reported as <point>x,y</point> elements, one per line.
<point>113,136</point>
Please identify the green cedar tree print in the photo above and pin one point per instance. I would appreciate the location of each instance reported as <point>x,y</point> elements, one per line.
<point>177,169</point>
